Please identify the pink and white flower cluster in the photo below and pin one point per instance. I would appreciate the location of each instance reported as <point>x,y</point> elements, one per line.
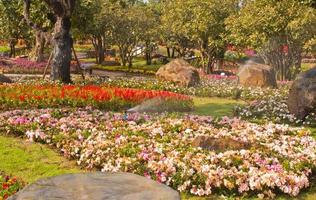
<point>280,158</point>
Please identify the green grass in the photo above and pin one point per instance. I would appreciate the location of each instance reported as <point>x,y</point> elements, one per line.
<point>307,66</point>
<point>4,48</point>
<point>216,107</point>
<point>30,161</point>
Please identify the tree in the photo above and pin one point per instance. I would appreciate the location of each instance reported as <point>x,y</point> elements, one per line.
<point>127,27</point>
<point>12,26</point>
<point>40,20</point>
<point>62,11</point>
<point>278,30</point>
<point>90,22</point>
<point>201,22</point>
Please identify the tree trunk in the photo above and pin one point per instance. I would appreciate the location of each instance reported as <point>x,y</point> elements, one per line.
<point>168,52</point>
<point>38,52</point>
<point>12,44</point>
<point>148,53</point>
<point>99,50</point>
<point>62,50</point>
<point>173,52</point>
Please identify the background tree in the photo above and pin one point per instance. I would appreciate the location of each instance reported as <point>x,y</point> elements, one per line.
<point>278,30</point>
<point>128,26</point>
<point>12,26</point>
<point>41,21</point>
<point>91,23</point>
<point>203,23</point>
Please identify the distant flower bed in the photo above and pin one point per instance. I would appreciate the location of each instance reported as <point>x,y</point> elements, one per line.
<point>273,108</point>
<point>277,159</point>
<point>52,95</point>
<point>9,186</point>
<point>211,86</point>
<point>26,66</point>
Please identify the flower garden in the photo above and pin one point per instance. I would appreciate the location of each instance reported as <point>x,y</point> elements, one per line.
<point>88,123</point>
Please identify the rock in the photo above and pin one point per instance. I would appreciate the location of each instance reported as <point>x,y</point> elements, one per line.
<point>97,186</point>
<point>4,79</point>
<point>302,96</point>
<point>219,144</point>
<point>179,72</point>
<point>254,74</point>
<point>158,105</point>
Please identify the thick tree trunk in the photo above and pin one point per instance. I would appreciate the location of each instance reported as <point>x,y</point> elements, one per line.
<point>62,50</point>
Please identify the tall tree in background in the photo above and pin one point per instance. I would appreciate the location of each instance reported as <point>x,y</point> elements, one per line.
<point>12,25</point>
<point>203,23</point>
<point>278,30</point>
<point>40,20</point>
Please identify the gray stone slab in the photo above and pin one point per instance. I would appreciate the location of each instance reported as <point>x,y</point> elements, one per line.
<point>97,186</point>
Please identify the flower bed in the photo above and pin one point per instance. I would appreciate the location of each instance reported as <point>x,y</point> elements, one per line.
<point>52,95</point>
<point>25,66</point>
<point>9,186</point>
<point>211,86</point>
<point>272,108</point>
<point>278,159</point>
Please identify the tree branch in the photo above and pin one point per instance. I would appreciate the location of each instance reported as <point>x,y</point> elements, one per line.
<point>26,14</point>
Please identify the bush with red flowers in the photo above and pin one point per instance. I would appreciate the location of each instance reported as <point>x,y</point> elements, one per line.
<point>9,186</point>
<point>102,97</point>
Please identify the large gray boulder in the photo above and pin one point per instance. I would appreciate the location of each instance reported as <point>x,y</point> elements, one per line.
<point>97,186</point>
<point>254,74</point>
<point>180,72</point>
<point>4,79</point>
<point>302,96</point>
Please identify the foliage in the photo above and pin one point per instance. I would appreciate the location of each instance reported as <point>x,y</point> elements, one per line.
<point>201,22</point>
<point>12,25</point>
<point>278,30</point>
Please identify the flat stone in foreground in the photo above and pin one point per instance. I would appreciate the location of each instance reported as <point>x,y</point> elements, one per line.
<point>97,186</point>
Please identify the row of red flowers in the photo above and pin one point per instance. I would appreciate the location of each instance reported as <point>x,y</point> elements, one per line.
<point>51,95</point>
<point>9,186</point>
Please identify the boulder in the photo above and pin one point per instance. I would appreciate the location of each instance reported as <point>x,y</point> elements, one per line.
<point>254,74</point>
<point>219,144</point>
<point>97,186</point>
<point>4,79</point>
<point>180,72</point>
<point>158,105</point>
<point>302,96</point>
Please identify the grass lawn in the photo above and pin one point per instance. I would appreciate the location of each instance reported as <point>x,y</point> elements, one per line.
<point>307,66</point>
<point>217,107</point>
<point>31,161</point>
<point>4,48</point>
